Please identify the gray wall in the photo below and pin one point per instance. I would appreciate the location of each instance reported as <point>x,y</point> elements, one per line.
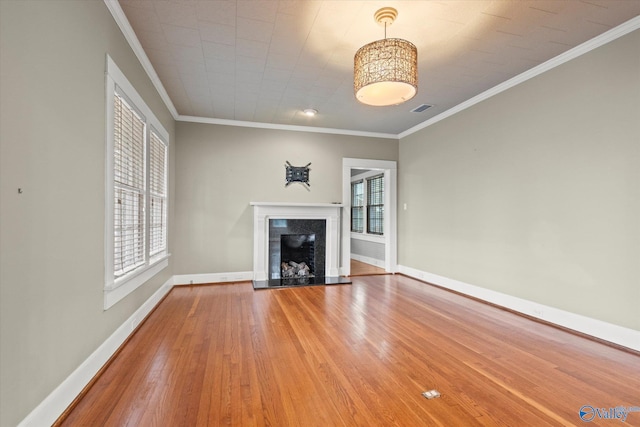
<point>536,192</point>
<point>533,193</point>
<point>52,145</point>
<point>220,169</point>
<point>367,249</point>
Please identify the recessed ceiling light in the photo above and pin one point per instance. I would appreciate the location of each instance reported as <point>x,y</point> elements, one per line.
<point>310,112</point>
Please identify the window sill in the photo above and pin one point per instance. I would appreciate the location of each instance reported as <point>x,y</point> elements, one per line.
<point>368,237</point>
<point>122,289</point>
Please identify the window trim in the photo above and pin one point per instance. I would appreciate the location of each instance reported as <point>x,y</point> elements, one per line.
<point>117,289</point>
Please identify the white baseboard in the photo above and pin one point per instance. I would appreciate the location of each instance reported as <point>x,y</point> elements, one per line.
<point>48,411</point>
<point>368,260</point>
<point>620,335</point>
<point>199,279</point>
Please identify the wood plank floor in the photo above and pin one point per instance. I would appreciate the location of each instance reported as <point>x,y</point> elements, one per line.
<point>352,355</point>
<point>359,268</point>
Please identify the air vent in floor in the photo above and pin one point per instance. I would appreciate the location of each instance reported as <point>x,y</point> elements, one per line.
<point>431,394</point>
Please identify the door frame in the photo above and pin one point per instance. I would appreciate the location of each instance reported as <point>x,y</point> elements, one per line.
<point>390,169</point>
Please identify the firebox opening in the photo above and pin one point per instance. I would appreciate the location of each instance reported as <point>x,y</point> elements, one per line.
<point>297,256</point>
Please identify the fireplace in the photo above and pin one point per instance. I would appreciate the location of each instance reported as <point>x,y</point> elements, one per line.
<point>297,257</point>
<point>297,249</point>
<point>296,244</point>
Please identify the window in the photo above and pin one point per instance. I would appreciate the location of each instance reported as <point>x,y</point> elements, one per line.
<point>128,182</point>
<point>157,196</point>
<point>367,204</point>
<point>375,204</point>
<point>357,206</point>
<point>136,201</point>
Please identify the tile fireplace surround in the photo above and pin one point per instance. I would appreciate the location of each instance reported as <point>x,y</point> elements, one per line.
<point>263,212</point>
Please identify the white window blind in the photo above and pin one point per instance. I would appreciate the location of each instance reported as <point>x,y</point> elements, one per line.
<point>375,204</point>
<point>367,204</point>
<point>129,188</point>
<point>357,206</point>
<point>158,195</point>
<point>136,193</point>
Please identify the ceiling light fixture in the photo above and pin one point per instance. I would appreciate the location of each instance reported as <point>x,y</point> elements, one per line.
<point>310,112</point>
<point>386,71</point>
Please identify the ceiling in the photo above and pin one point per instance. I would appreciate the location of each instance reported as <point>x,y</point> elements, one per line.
<point>264,61</point>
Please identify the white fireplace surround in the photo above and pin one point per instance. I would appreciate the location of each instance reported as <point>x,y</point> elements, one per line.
<point>264,211</point>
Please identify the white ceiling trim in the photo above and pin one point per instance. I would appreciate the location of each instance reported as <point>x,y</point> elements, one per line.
<point>130,35</point>
<point>617,32</point>
<point>122,22</point>
<point>294,128</point>
<point>136,46</point>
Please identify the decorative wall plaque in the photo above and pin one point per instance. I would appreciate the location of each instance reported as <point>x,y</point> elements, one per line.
<point>297,174</point>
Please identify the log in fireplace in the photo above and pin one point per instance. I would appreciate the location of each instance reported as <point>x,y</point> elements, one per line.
<point>297,257</point>
<point>296,249</point>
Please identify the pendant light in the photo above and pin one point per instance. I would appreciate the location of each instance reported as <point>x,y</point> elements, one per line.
<point>386,71</point>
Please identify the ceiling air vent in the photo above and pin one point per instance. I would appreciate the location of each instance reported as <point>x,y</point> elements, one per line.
<point>421,108</point>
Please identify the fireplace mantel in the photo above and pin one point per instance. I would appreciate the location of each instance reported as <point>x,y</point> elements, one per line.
<point>264,211</point>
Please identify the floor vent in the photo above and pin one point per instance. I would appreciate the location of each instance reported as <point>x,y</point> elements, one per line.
<point>431,394</point>
<point>421,108</point>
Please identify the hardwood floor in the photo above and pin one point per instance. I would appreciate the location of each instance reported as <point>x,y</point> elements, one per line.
<point>352,355</point>
<point>363,269</point>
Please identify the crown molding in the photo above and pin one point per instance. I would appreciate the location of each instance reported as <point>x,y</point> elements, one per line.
<point>613,34</point>
<point>259,125</point>
<point>132,39</point>
<point>604,38</point>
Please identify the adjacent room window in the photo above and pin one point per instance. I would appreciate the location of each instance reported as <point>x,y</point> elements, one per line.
<point>136,175</point>
<point>375,204</point>
<point>357,206</point>
<point>367,205</point>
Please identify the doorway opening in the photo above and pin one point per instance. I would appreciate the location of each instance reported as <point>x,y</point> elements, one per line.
<point>388,239</point>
